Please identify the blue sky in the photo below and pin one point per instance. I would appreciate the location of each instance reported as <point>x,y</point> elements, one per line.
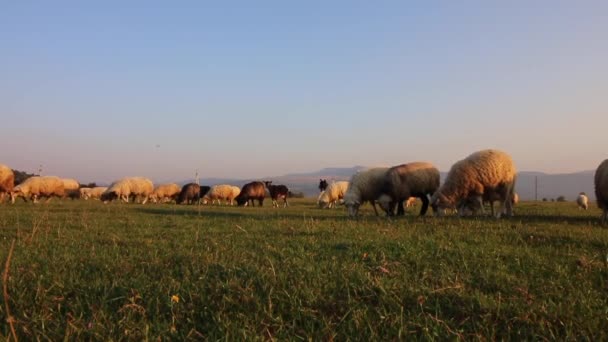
<point>249,89</point>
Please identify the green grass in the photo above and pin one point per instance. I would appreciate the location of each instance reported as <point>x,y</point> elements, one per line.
<point>84,270</point>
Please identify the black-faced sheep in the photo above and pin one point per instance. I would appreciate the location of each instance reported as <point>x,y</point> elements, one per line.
<point>190,194</point>
<point>472,176</point>
<point>332,194</point>
<point>601,189</point>
<point>250,192</point>
<point>364,186</point>
<point>130,187</point>
<point>37,187</point>
<point>276,192</point>
<point>7,181</point>
<point>418,179</point>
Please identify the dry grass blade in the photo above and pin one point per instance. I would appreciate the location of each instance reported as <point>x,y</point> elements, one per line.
<point>7,265</point>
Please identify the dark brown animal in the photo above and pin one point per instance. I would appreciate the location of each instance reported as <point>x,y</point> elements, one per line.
<point>190,194</point>
<point>276,192</point>
<point>250,192</point>
<point>322,184</point>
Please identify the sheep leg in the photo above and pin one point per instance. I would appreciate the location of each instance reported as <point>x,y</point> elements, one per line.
<point>286,204</point>
<point>425,204</point>
<point>400,208</point>
<point>374,206</point>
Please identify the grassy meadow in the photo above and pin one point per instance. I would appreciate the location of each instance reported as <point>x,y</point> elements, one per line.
<point>81,270</point>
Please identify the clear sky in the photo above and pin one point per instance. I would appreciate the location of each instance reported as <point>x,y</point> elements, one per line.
<point>246,89</point>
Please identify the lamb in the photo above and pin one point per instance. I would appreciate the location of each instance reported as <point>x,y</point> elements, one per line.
<point>250,192</point>
<point>276,192</point>
<point>481,172</point>
<point>332,194</point>
<point>190,194</point>
<point>221,192</point>
<point>7,181</point>
<point>417,179</point>
<point>37,186</point>
<point>71,186</point>
<point>165,193</point>
<point>136,187</point>
<point>93,193</point>
<point>601,189</point>
<point>582,201</point>
<point>364,186</point>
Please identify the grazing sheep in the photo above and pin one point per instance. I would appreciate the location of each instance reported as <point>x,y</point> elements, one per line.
<point>582,201</point>
<point>332,194</point>
<point>276,192</point>
<point>92,193</point>
<point>7,181</point>
<point>250,192</point>
<point>70,187</point>
<point>601,189</point>
<point>135,187</point>
<point>165,193</point>
<point>36,187</point>
<point>470,206</point>
<point>418,179</point>
<point>364,186</point>
<point>190,194</point>
<point>474,176</point>
<point>322,184</point>
<point>221,192</point>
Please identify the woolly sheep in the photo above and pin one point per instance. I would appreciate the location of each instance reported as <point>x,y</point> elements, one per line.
<point>470,177</point>
<point>582,201</point>
<point>417,179</point>
<point>250,192</point>
<point>7,181</point>
<point>70,187</point>
<point>136,187</point>
<point>332,194</point>
<point>601,189</point>
<point>221,192</point>
<point>364,186</point>
<point>165,192</point>
<point>36,187</point>
<point>92,193</point>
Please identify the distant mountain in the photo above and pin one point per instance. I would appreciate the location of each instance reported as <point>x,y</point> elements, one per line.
<point>550,186</point>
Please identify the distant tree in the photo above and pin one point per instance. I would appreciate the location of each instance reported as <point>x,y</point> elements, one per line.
<point>21,176</point>
<point>561,199</point>
<point>544,199</point>
<point>553,200</point>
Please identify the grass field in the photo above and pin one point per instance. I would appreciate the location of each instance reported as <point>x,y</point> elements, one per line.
<point>88,271</point>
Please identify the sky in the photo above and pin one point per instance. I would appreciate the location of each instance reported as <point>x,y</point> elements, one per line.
<point>245,89</point>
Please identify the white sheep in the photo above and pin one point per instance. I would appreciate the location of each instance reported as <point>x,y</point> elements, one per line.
<point>417,179</point>
<point>165,193</point>
<point>221,192</point>
<point>71,186</point>
<point>7,181</point>
<point>473,176</point>
<point>36,187</point>
<point>601,189</point>
<point>582,201</point>
<point>364,186</point>
<point>92,193</point>
<point>136,187</point>
<point>332,194</point>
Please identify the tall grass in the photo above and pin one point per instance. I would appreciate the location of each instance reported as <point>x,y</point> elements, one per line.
<point>84,270</point>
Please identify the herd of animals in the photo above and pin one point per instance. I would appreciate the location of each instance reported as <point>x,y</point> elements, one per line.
<point>485,176</point>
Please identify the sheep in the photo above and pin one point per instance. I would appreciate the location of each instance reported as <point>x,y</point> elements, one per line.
<point>470,206</point>
<point>37,186</point>
<point>190,194</point>
<point>582,201</point>
<point>136,187</point>
<point>93,193</point>
<point>417,179</point>
<point>601,189</point>
<point>221,192</point>
<point>332,194</point>
<point>473,177</point>
<point>165,192</point>
<point>364,186</point>
<point>7,181</point>
<point>71,186</point>
<point>250,192</point>
<point>276,192</point>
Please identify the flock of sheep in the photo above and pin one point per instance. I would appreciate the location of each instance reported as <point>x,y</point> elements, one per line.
<point>485,176</point>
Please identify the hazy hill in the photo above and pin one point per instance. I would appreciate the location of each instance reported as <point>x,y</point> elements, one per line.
<point>549,185</point>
